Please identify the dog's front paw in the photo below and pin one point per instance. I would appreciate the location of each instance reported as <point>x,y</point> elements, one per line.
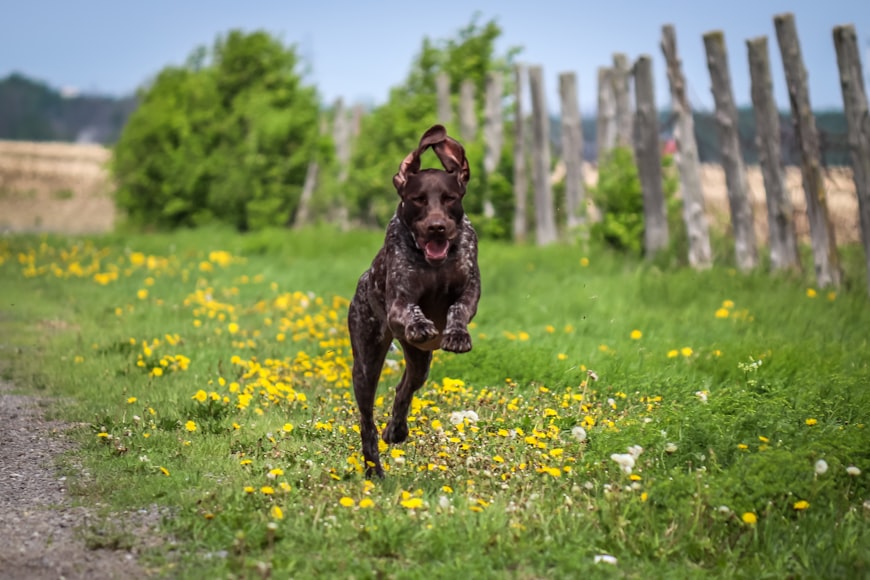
<point>421,331</point>
<point>395,432</point>
<point>456,341</point>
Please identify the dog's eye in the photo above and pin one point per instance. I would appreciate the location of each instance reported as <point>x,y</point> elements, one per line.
<point>448,199</point>
<point>420,200</point>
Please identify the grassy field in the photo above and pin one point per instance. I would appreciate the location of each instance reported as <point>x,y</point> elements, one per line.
<point>613,419</point>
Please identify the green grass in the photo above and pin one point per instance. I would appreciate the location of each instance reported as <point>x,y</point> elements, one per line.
<point>733,411</point>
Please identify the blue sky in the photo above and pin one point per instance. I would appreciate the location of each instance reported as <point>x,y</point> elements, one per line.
<point>358,50</point>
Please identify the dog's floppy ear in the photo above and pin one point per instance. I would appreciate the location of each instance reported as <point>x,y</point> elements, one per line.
<point>452,156</point>
<point>411,163</point>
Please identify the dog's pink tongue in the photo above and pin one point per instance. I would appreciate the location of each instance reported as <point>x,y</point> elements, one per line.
<point>436,250</point>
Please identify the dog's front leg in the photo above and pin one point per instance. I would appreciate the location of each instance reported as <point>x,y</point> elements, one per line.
<point>456,337</point>
<point>407,321</point>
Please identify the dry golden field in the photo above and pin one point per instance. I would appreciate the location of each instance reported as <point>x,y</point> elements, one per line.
<point>65,188</point>
<point>55,187</point>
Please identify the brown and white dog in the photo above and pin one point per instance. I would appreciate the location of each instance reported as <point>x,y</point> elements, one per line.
<point>422,288</point>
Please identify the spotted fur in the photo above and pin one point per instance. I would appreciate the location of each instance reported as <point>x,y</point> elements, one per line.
<point>421,290</point>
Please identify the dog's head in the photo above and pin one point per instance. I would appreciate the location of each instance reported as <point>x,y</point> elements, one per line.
<point>431,198</point>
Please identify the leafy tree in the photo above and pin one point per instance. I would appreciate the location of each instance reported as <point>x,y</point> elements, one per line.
<point>390,131</point>
<point>225,138</point>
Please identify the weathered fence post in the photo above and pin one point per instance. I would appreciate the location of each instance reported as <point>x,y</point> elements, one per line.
<point>697,230</point>
<point>621,77</point>
<point>520,179</point>
<point>445,108</point>
<point>341,137</point>
<point>780,215</point>
<point>545,220</point>
<point>732,160</point>
<point>826,257</point>
<point>312,174</point>
<point>858,125</point>
<point>493,135</point>
<point>649,161</point>
<point>467,116</point>
<point>605,125</point>
<point>572,149</point>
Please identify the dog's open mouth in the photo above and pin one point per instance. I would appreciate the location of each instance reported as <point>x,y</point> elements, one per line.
<point>436,250</point>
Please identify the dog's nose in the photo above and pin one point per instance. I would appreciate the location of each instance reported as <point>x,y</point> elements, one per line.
<point>437,227</point>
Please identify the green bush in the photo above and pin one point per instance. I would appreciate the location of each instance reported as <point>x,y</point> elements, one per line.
<point>393,129</point>
<point>225,138</point>
<point>619,197</point>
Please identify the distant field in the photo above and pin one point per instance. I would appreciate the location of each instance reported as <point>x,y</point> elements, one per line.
<point>65,188</point>
<point>55,187</point>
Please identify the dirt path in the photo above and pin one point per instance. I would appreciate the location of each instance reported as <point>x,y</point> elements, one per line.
<point>43,534</point>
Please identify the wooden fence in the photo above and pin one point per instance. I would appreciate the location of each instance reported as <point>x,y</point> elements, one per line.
<point>618,123</point>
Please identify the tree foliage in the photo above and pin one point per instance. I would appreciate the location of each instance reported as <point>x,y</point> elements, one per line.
<point>390,131</point>
<point>225,138</point>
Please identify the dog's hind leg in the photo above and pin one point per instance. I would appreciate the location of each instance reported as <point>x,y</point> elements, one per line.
<point>416,371</point>
<point>370,346</point>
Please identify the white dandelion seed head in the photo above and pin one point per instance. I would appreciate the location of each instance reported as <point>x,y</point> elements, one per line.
<point>635,450</point>
<point>605,559</point>
<point>701,395</point>
<point>670,448</point>
<point>444,502</point>
<point>624,460</point>
<point>821,467</point>
<point>457,417</point>
<point>852,470</point>
<point>579,433</point>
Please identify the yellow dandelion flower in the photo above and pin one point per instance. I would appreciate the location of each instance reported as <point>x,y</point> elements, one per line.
<point>157,372</point>
<point>562,356</point>
<point>550,329</point>
<point>522,335</point>
<point>801,505</point>
<point>164,471</point>
<point>636,334</point>
<point>200,396</point>
<point>722,313</point>
<point>287,428</point>
<point>673,353</point>
<point>132,400</point>
<point>446,489</point>
<point>249,489</point>
<point>811,421</point>
<point>749,518</point>
<point>412,503</point>
<point>811,293</point>
<point>277,513</point>
<point>232,328</point>
<point>190,426</point>
<point>686,351</point>
<point>142,294</point>
<point>728,304</point>
<point>366,502</point>
<point>584,261</point>
<point>267,490</point>
<point>347,502</point>
<point>276,472</point>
